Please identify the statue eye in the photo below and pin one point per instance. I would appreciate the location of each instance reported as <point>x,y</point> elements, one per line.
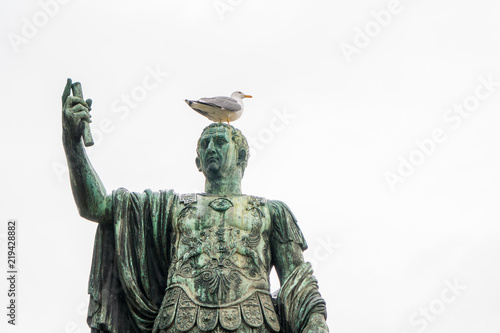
<point>221,141</point>
<point>204,144</point>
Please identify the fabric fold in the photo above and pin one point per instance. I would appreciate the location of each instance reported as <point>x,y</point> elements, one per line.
<point>285,226</point>
<point>298,299</point>
<point>129,264</point>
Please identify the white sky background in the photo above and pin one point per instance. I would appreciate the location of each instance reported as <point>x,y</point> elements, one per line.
<point>380,255</point>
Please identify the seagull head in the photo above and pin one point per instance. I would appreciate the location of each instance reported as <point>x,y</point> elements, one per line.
<point>240,95</point>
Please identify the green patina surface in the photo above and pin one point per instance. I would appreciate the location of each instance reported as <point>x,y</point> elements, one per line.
<point>167,262</point>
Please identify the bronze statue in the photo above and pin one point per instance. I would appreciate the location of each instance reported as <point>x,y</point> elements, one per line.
<point>200,262</point>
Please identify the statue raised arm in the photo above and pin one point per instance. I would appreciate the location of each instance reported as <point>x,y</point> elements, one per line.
<point>88,190</point>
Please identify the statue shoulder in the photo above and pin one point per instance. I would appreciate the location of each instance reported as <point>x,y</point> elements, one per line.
<point>285,225</point>
<point>280,210</point>
<point>256,200</point>
<point>121,196</point>
<point>188,198</point>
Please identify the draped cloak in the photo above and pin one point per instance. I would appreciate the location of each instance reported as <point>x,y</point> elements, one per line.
<point>130,263</point>
<point>131,259</point>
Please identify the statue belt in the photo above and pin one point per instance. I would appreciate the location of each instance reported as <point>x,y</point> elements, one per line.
<point>180,310</point>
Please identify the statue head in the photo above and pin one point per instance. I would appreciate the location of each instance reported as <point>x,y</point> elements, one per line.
<point>222,152</point>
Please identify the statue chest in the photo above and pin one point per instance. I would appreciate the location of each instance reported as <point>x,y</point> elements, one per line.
<point>220,251</point>
<point>198,213</point>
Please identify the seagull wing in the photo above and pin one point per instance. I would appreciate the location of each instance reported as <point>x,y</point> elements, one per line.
<point>198,106</point>
<point>223,102</point>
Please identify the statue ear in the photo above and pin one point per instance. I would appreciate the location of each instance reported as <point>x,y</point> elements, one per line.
<point>242,154</point>
<point>198,163</point>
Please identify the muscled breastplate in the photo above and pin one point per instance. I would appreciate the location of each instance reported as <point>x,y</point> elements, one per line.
<point>220,264</point>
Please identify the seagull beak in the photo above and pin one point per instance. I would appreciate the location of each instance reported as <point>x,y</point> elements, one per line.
<point>247,96</point>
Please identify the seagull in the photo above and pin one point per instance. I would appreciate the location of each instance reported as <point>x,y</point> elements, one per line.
<point>220,108</point>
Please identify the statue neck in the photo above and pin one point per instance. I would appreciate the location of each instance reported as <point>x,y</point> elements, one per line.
<point>223,186</point>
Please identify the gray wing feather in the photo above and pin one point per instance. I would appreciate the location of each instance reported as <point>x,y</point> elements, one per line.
<point>224,102</point>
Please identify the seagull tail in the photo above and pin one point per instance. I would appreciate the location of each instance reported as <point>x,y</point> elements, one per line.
<point>188,102</point>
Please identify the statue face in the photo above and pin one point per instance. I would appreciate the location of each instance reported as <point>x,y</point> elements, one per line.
<point>217,153</point>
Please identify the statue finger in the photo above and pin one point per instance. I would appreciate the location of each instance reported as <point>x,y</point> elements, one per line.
<point>89,103</point>
<point>67,91</point>
<point>79,108</point>
<point>83,115</point>
<point>73,100</point>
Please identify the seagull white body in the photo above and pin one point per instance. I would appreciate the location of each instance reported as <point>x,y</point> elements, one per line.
<point>220,108</point>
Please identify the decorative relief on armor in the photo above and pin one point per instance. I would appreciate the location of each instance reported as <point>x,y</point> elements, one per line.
<point>218,277</point>
<point>220,245</point>
<point>169,305</point>
<point>254,204</point>
<point>186,313</point>
<point>189,210</point>
<point>252,312</point>
<point>253,239</point>
<point>207,318</point>
<point>221,258</point>
<point>268,309</point>
<point>188,198</point>
<point>230,317</point>
<point>220,204</point>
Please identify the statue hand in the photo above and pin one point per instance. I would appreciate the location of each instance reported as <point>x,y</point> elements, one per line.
<point>75,112</point>
<point>316,324</point>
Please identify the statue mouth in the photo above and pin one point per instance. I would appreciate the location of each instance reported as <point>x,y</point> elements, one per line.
<point>212,159</point>
<point>212,164</point>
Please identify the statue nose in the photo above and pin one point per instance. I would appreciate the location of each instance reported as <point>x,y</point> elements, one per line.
<point>211,146</point>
